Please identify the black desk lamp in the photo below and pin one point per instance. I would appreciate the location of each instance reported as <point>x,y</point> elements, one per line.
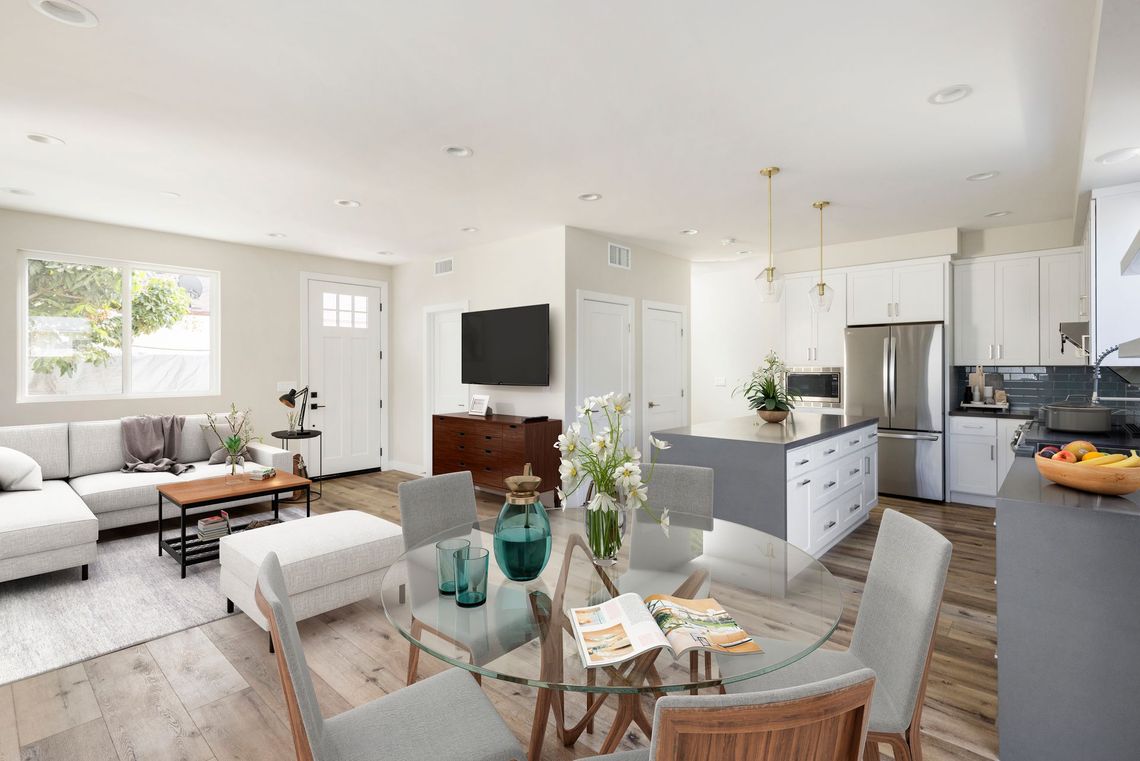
<point>290,401</point>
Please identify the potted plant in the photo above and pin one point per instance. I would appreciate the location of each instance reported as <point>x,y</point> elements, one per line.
<point>234,433</point>
<point>767,392</point>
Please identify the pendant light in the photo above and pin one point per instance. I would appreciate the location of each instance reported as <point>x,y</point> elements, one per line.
<point>771,285</point>
<point>821,294</point>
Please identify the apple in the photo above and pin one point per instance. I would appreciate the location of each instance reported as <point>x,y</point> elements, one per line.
<point>1048,451</point>
<point>1065,456</point>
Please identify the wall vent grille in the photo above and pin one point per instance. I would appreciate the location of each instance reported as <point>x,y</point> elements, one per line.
<point>620,256</point>
<point>444,266</point>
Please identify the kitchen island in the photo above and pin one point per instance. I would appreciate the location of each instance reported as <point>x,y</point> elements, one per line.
<point>810,480</point>
<point>1068,588</point>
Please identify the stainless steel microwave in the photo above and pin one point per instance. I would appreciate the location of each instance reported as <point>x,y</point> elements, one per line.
<point>816,386</point>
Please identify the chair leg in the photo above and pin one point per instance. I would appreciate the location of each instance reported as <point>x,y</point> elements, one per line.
<point>229,605</point>
<point>871,752</point>
<point>83,572</point>
<point>271,650</point>
<point>414,652</point>
<point>913,739</point>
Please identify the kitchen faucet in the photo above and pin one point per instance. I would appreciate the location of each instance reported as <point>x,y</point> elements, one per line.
<point>1096,372</point>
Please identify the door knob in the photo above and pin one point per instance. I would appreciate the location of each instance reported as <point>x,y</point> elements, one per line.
<point>653,404</point>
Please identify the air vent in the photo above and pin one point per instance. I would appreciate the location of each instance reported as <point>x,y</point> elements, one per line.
<point>619,256</point>
<point>444,266</point>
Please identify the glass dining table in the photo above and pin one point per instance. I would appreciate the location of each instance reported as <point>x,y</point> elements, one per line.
<point>786,600</point>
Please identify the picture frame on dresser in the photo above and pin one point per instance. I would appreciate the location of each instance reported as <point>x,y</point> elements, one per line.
<point>480,405</point>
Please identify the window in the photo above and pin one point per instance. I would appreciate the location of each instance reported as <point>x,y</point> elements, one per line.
<point>340,310</point>
<point>97,329</point>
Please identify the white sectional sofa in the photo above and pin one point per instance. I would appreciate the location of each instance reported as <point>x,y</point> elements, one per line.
<point>85,493</point>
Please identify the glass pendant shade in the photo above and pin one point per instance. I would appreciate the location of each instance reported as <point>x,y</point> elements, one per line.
<point>771,285</point>
<point>820,296</point>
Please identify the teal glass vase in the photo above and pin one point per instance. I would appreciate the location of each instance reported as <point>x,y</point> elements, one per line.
<point>522,531</point>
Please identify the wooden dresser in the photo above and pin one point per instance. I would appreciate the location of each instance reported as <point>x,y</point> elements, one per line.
<point>495,447</point>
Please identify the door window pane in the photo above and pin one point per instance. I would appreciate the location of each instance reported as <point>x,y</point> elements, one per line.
<point>170,338</point>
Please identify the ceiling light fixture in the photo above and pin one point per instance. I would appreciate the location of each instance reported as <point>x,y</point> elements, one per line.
<point>66,12</point>
<point>469,229</point>
<point>18,192</point>
<point>948,95</point>
<point>458,151</point>
<point>590,197</point>
<point>771,286</point>
<point>42,139</point>
<point>169,194</point>
<point>745,252</point>
<point>689,231</point>
<point>999,213</point>
<point>821,294</point>
<point>276,235</point>
<point>347,203</point>
<point>982,176</point>
<point>385,253</point>
<point>1120,154</point>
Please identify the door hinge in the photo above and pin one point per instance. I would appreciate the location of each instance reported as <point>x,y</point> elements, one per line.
<point>381,451</point>
<point>682,331</point>
<point>682,393</point>
<point>381,306</point>
<point>381,404</point>
<point>381,353</point>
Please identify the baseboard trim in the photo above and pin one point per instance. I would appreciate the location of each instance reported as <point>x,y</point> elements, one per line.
<point>346,474</point>
<point>407,467</point>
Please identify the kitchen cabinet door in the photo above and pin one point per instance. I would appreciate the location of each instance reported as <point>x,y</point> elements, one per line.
<point>830,325</point>
<point>799,322</point>
<point>1061,301</point>
<point>1017,338</point>
<point>919,293</point>
<point>973,464</point>
<point>974,298</point>
<point>1005,453</point>
<point>870,296</point>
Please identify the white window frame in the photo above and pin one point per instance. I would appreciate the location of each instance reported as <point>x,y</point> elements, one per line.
<point>128,266</point>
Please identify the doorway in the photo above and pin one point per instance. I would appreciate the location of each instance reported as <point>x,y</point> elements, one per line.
<point>664,369</point>
<point>605,348</point>
<point>444,390</point>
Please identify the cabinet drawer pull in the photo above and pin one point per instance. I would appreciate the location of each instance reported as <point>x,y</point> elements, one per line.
<point>460,447</point>
<point>854,471</point>
<point>829,484</point>
<point>488,438</point>
<point>487,451</point>
<point>829,451</point>
<point>874,435</point>
<point>803,462</point>
<point>853,442</point>
<point>462,433</point>
<point>854,508</point>
<point>805,482</point>
<point>829,525</point>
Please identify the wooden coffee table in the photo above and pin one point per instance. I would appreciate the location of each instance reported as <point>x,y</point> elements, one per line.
<point>187,495</point>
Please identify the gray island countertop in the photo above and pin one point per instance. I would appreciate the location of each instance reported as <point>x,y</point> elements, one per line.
<point>799,429</point>
<point>1025,486</point>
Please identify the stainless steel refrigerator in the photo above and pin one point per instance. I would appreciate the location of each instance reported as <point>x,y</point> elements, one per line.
<point>896,373</point>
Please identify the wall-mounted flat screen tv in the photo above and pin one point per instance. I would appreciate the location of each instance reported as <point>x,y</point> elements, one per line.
<point>507,347</point>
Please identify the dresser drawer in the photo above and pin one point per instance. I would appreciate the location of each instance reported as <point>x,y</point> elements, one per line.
<point>469,429</point>
<point>973,426</point>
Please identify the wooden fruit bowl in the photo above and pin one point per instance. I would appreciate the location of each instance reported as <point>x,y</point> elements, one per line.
<point>1097,479</point>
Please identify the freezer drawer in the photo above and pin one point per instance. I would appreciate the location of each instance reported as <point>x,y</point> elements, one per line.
<point>911,464</point>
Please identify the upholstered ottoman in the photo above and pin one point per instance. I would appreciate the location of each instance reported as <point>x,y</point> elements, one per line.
<point>329,561</point>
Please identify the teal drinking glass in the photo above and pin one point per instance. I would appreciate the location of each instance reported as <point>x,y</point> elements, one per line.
<point>445,553</point>
<point>471,577</point>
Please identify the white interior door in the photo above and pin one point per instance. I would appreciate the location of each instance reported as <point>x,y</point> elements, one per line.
<point>344,375</point>
<point>444,390</point>
<point>663,349</point>
<point>605,347</point>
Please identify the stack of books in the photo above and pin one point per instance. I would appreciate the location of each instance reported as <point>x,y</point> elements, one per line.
<point>214,527</point>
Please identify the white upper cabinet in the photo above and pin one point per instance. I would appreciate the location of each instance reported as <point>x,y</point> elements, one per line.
<point>1116,297</point>
<point>810,339</point>
<point>996,314</point>
<point>1062,300</point>
<point>905,293</point>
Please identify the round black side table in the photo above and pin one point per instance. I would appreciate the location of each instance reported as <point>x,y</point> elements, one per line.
<point>308,433</point>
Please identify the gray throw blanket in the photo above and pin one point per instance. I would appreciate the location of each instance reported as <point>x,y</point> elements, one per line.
<point>151,443</point>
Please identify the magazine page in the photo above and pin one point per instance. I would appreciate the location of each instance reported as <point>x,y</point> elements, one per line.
<point>615,631</point>
<point>699,624</point>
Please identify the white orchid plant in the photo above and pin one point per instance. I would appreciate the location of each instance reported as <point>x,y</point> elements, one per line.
<point>592,451</point>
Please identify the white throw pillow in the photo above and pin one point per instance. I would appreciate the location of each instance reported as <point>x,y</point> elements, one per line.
<point>19,472</point>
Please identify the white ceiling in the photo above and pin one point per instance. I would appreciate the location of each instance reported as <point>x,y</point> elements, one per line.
<point>261,112</point>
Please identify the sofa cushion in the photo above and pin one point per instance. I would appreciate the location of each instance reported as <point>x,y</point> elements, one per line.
<point>107,492</point>
<point>19,472</point>
<point>48,519</point>
<point>46,444</point>
<point>194,446</point>
<point>316,551</point>
<point>96,446</point>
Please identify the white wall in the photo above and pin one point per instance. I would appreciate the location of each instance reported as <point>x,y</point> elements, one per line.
<point>260,309</point>
<point>516,272</point>
<point>895,248</point>
<point>1016,238</point>
<point>653,276</point>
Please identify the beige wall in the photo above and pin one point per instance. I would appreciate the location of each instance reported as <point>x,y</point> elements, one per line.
<point>1016,238</point>
<point>260,307</point>
<point>653,277</point>
<point>516,272</point>
<point>895,248</point>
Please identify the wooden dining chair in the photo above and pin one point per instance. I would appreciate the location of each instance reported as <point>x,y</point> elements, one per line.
<point>444,717</point>
<point>821,721</point>
<point>429,507</point>
<point>894,635</point>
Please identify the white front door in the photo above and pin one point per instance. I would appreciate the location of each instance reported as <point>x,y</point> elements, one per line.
<point>663,349</point>
<point>605,348</point>
<point>344,356</point>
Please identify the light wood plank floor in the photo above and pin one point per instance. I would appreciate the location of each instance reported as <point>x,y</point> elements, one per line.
<point>212,692</point>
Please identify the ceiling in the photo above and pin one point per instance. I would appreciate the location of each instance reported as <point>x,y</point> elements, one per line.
<point>260,113</point>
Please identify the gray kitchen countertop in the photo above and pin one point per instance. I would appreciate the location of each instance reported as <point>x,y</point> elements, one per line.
<point>1025,484</point>
<point>799,429</point>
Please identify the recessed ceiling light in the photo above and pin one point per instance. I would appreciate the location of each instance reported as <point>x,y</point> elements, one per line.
<point>169,194</point>
<point>689,231</point>
<point>951,94</point>
<point>590,197</point>
<point>469,229</point>
<point>743,253</point>
<point>276,235</point>
<point>39,137</point>
<point>727,241</point>
<point>18,192</point>
<point>347,203</point>
<point>385,253</point>
<point>1115,157</point>
<point>999,213</point>
<point>65,12</point>
<point>458,151</point>
<point>982,176</point>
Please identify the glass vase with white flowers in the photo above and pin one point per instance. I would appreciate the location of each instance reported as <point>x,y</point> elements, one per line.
<point>594,454</point>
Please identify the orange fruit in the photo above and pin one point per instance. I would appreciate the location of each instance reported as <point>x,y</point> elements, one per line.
<point>1091,455</point>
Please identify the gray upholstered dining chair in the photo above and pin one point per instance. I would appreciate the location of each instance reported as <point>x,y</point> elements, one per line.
<point>682,488</point>
<point>821,721</point>
<point>894,635</point>
<point>445,716</point>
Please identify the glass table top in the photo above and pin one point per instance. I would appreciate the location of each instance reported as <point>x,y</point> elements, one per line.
<point>788,601</point>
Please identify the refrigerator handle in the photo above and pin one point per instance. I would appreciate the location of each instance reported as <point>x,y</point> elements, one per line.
<point>893,377</point>
<point>887,375</point>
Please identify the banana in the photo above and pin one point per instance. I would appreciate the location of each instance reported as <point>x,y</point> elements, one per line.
<point>1133,461</point>
<point>1108,459</point>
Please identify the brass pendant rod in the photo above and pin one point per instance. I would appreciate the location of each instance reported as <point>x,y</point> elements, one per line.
<point>768,172</point>
<point>821,205</point>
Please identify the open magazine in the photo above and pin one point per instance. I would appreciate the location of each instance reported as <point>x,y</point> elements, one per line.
<point>627,626</point>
